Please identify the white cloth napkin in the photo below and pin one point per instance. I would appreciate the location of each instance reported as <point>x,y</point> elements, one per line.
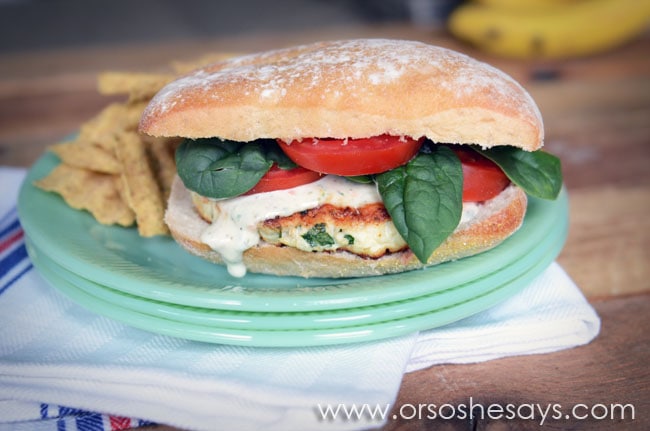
<point>54,353</point>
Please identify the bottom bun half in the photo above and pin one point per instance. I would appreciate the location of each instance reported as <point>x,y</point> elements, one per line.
<point>497,219</point>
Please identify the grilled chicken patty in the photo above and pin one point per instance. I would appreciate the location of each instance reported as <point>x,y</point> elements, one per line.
<point>366,231</point>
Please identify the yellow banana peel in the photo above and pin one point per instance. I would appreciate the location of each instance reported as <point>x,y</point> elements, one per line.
<point>560,30</point>
<point>523,5</point>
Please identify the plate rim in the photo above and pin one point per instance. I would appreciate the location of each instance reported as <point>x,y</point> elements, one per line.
<point>321,318</point>
<point>296,338</point>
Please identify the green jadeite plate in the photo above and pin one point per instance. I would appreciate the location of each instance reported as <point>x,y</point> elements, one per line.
<point>521,270</point>
<point>293,334</point>
<point>157,269</point>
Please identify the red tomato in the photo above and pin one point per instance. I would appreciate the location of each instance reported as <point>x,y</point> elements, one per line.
<point>281,179</point>
<point>352,156</point>
<point>482,178</point>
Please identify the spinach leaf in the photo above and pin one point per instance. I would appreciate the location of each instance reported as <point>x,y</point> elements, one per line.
<point>275,154</point>
<point>318,236</point>
<point>537,172</point>
<point>424,199</point>
<point>360,179</point>
<point>222,169</point>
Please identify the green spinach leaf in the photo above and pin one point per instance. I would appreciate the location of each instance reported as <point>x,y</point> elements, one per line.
<point>537,172</point>
<point>222,169</point>
<point>360,179</point>
<point>275,154</point>
<point>424,199</point>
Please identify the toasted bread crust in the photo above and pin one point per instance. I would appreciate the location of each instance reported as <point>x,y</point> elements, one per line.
<point>502,216</point>
<point>355,89</point>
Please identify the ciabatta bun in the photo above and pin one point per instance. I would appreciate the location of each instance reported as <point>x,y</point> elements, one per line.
<point>497,219</point>
<point>349,89</point>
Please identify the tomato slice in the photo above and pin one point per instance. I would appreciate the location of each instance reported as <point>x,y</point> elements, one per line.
<point>482,178</point>
<point>352,156</point>
<point>281,179</point>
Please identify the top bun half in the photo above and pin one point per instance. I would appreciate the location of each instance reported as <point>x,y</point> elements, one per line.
<point>349,89</point>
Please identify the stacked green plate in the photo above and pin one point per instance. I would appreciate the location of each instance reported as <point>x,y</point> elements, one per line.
<point>154,285</point>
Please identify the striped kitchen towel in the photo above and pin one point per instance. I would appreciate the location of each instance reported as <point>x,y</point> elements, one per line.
<point>14,264</point>
<point>29,416</point>
<point>13,255</point>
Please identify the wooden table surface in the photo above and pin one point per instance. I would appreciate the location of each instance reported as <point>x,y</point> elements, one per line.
<point>597,119</point>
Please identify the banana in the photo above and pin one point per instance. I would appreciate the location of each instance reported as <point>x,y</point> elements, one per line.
<point>532,5</point>
<point>574,29</point>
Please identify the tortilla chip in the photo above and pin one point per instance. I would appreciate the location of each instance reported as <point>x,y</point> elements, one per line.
<point>139,86</point>
<point>110,170</point>
<point>86,190</point>
<point>85,155</point>
<point>120,184</point>
<point>101,128</point>
<point>143,193</point>
<point>115,118</point>
<point>132,114</point>
<point>183,67</point>
<point>161,152</point>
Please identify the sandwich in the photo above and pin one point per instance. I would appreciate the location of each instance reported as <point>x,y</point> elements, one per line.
<point>349,158</point>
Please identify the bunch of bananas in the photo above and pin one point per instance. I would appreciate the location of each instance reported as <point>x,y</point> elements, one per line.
<point>549,28</point>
